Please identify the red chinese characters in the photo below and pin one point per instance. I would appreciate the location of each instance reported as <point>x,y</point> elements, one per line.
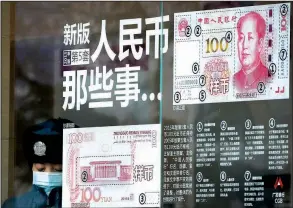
<point>217,20</point>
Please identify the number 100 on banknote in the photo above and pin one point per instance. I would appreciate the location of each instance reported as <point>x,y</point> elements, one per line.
<point>116,166</point>
<point>231,55</point>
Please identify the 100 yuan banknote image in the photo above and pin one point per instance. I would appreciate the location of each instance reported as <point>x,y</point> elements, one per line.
<point>231,55</point>
<point>116,166</point>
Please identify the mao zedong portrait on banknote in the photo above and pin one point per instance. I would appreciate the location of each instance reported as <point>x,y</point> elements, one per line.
<point>251,30</point>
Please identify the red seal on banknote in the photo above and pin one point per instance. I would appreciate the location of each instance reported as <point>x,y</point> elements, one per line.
<point>217,76</point>
<point>183,23</point>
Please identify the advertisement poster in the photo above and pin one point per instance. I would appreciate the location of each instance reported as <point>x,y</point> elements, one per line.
<point>117,166</point>
<point>231,55</point>
<point>108,89</point>
<point>227,153</point>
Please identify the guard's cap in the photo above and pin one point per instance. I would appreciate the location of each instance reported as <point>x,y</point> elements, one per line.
<point>43,142</point>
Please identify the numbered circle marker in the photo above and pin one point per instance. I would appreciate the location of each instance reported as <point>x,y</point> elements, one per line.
<point>188,31</point>
<point>84,176</point>
<point>283,54</point>
<point>284,10</point>
<point>272,123</point>
<point>197,31</point>
<point>142,198</point>
<point>199,177</point>
<point>272,68</point>
<point>261,87</point>
<point>199,126</point>
<point>228,36</point>
<point>202,80</point>
<point>195,68</point>
<point>202,95</point>
<point>177,97</point>
<point>248,124</point>
<point>223,176</point>
<point>247,175</point>
<point>223,125</point>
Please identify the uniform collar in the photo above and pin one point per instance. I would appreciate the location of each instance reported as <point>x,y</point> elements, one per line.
<point>53,198</point>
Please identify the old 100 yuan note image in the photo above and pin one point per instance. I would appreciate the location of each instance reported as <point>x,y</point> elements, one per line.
<point>117,166</point>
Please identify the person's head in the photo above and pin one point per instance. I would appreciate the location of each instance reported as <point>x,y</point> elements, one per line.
<point>46,167</point>
<point>43,148</point>
<point>251,32</point>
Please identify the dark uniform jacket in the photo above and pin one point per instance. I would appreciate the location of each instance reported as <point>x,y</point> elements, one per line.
<point>35,198</point>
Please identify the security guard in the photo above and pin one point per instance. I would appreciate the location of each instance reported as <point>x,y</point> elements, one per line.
<point>43,149</point>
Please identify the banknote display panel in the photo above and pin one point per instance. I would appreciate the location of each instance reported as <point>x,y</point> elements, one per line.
<point>112,166</point>
<point>235,153</point>
<point>231,55</point>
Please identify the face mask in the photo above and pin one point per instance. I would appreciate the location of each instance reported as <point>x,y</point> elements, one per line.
<point>47,181</point>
